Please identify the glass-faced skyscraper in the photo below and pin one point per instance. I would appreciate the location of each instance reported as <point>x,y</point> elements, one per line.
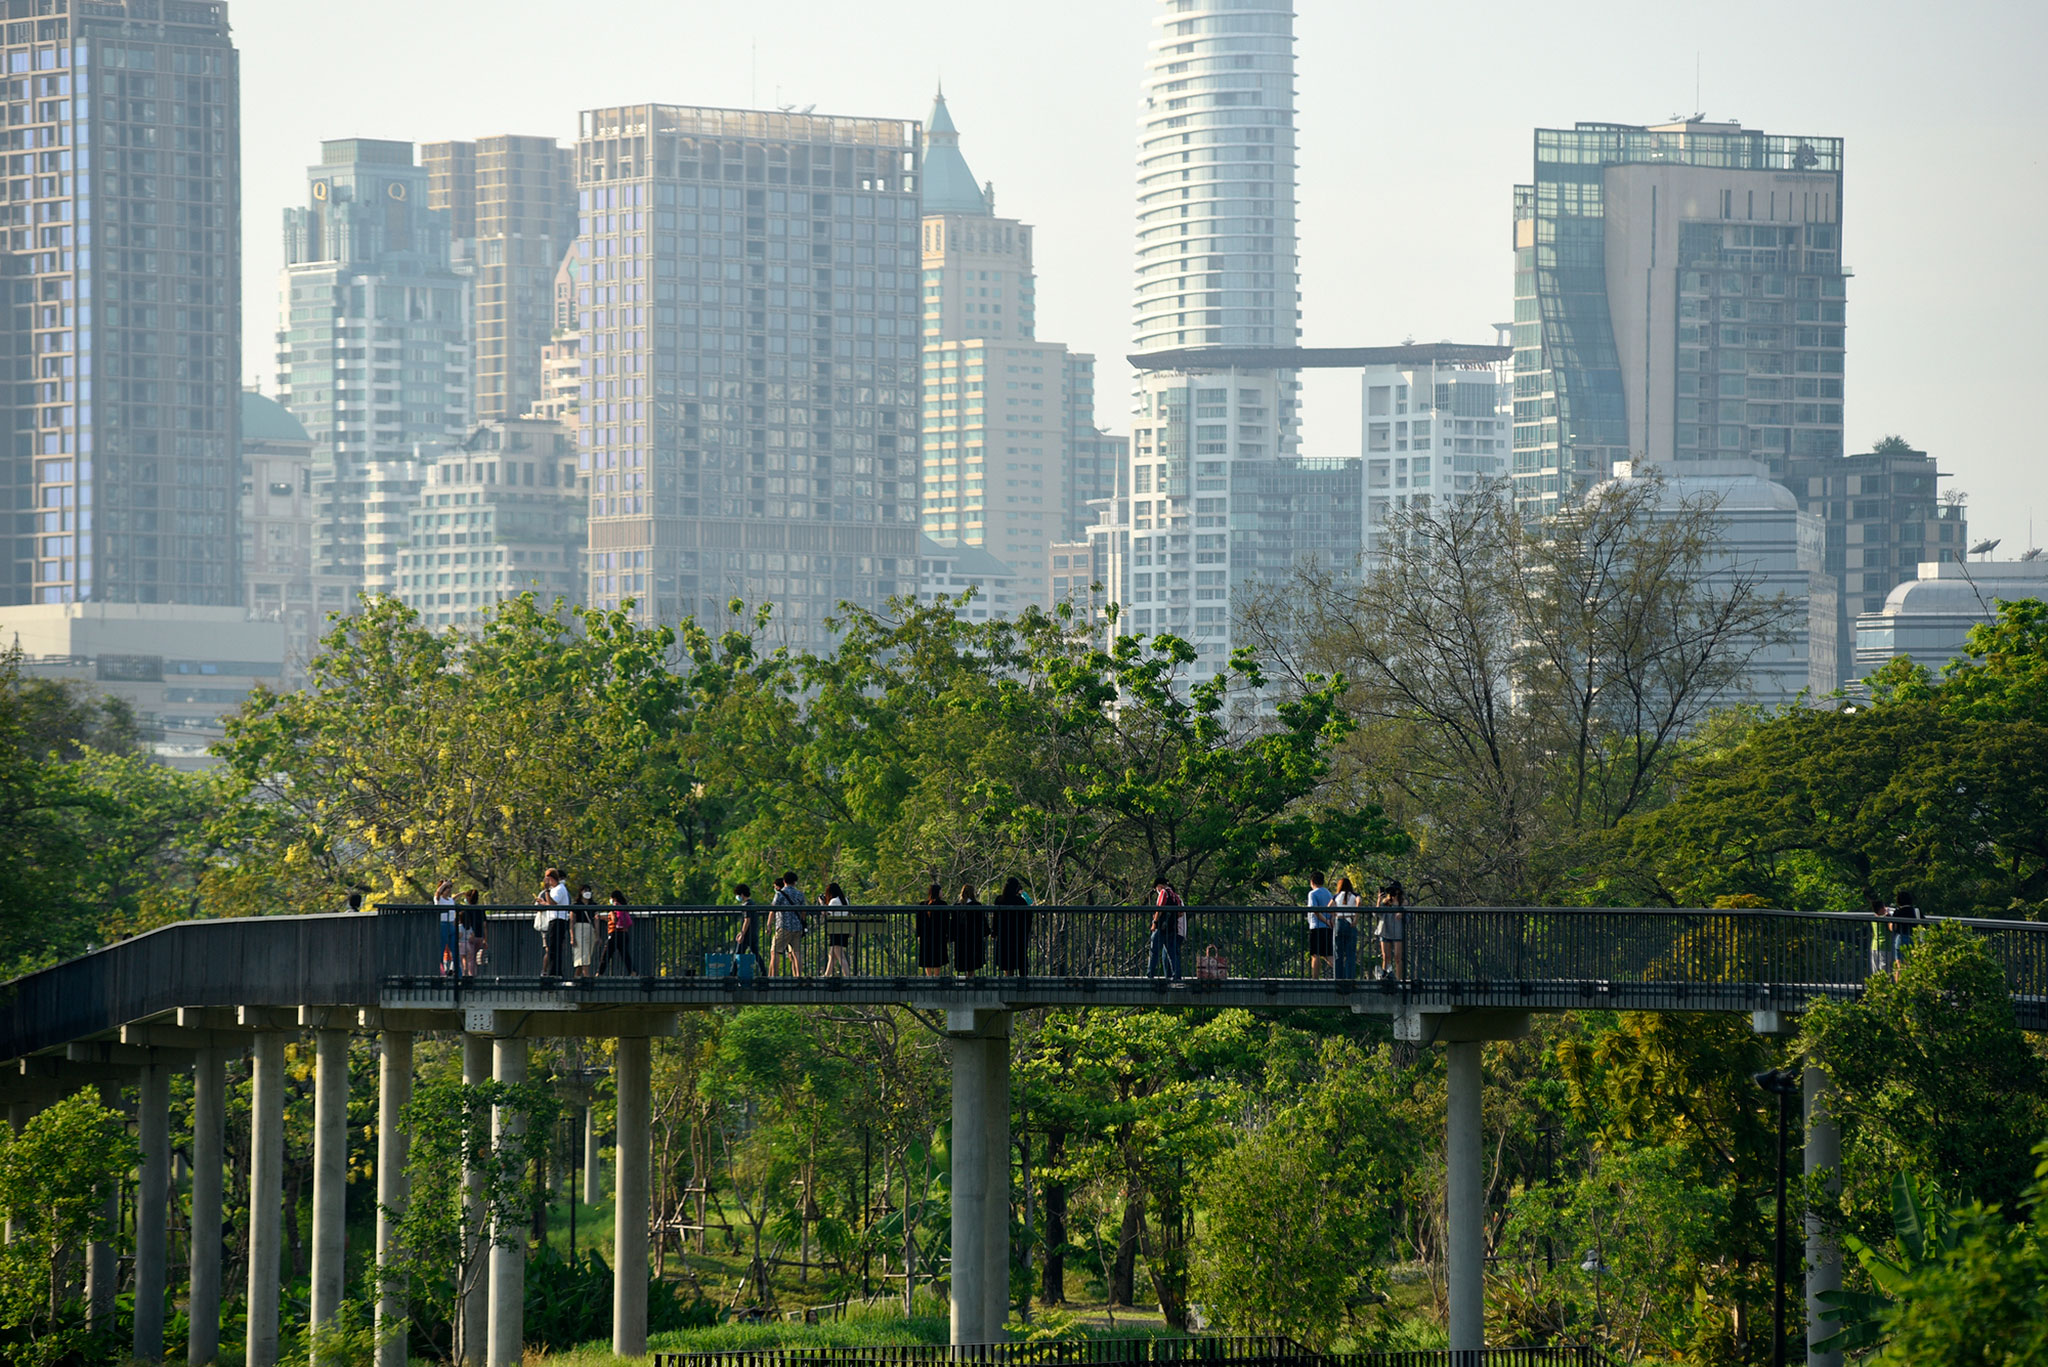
<point>747,306</point>
<point>122,270</point>
<point>1678,297</point>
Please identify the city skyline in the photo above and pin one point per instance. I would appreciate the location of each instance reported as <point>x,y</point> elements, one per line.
<point>1059,151</point>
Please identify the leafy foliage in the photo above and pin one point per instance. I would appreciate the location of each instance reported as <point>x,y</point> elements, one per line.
<point>54,1177</point>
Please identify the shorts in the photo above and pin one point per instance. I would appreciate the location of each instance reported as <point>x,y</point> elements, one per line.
<point>790,940</point>
<point>1319,941</point>
<point>1391,930</point>
<point>840,939</point>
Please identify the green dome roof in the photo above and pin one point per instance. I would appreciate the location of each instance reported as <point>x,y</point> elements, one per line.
<point>265,419</point>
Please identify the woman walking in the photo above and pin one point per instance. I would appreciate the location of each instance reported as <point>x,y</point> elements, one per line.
<point>1012,928</point>
<point>1345,911</point>
<point>1393,932</point>
<point>970,932</point>
<point>838,942</point>
<point>1169,928</point>
<point>934,924</point>
<point>617,935</point>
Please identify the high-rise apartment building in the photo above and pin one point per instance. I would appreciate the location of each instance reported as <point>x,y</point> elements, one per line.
<point>1217,296</point>
<point>1432,431</point>
<point>121,270</point>
<point>1678,297</point>
<point>373,352</point>
<point>277,528</point>
<point>511,204</point>
<point>1011,450</point>
<point>749,344</point>
<point>499,514</point>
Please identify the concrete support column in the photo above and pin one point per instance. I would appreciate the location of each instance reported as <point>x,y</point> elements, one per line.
<point>981,1174</point>
<point>508,1260</point>
<point>633,1071</point>
<point>474,1318</point>
<point>1823,1255</point>
<point>593,1161</point>
<point>394,1094</point>
<point>996,1245</point>
<point>1464,1216</point>
<point>330,1178</point>
<point>152,1208</point>
<point>209,1109</point>
<point>266,1196</point>
<point>100,1264</point>
<point>18,1116</point>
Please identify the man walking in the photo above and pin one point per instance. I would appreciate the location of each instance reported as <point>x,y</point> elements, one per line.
<point>1321,928</point>
<point>555,947</point>
<point>789,927</point>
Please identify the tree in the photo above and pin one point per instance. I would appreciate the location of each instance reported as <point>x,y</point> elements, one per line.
<point>1522,685</point>
<point>54,1179</point>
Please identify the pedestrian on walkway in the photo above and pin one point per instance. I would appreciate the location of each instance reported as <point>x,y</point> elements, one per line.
<point>970,933</point>
<point>748,941</point>
<point>617,935</point>
<point>1012,918</point>
<point>474,926</point>
<point>451,943</point>
<point>1344,910</point>
<point>838,940</point>
<point>934,926</point>
<point>1392,931</point>
<point>1906,916</point>
<point>790,924</point>
<point>1169,928</point>
<point>1321,927</point>
<point>583,933</point>
<point>553,921</point>
<point>1880,936</point>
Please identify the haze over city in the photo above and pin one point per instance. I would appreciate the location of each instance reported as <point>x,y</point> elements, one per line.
<point>1413,129</point>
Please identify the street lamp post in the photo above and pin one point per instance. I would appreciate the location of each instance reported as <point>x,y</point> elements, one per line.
<point>1783,1085</point>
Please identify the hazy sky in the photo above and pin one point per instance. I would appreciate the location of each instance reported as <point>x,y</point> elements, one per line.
<point>1415,122</point>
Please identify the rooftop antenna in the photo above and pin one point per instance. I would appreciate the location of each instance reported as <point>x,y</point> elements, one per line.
<point>753,73</point>
<point>1700,113</point>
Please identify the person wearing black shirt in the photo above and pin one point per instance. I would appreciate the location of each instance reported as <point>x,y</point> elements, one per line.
<point>934,933</point>
<point>1012,918</point>
<point>970,932</point>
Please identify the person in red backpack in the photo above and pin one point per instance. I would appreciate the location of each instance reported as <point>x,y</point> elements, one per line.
<point>1169,928</point>
<point>618,935</point>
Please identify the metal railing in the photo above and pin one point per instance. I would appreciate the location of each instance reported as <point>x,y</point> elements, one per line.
<point>1138,1352</point>
<point>1544,955</point>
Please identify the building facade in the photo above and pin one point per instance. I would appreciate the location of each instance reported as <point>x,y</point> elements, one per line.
<point>1926,618</point>
<point>277,528</point>
<point>1679,296</point>
<point>373,352</point>
<point>498,514</point>
<point>750,354</point>
<point>948,569</point>
<point>1883,518</point>
<point>1216,272</point>
<point>511,205</point>
<point>1431,432</point>
<point>121,273</point>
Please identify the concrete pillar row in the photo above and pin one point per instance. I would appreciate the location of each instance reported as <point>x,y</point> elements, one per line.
<point>394,1094</point>
<point>633,1070</point>
<point>981,1174</point>
<point>152,1208</point>
<point>1465,1207</point>
<point>474,1318</point>
<point>508,1257</point>
<point>209,1112</point>
<point>593,1153</point>
<point>996,1245</point>
<point>266,1196</point>
<point>1823,1255</point>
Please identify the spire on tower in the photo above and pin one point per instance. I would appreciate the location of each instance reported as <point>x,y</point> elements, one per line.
<point>948,187</point>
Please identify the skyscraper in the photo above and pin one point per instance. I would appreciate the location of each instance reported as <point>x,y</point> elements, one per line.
<point>1009,422</point>
<point>122,270</point>
<point>1678,297</point>
<point>511,203</point>
<point>373,352</point>
<point>1217,284</point>
<point>749,342</point>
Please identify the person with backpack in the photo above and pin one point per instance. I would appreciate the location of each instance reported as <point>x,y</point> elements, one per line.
<point>1169,928</point>
<point>617,935</point>
<point>748,941</point>
<point>790,924</point>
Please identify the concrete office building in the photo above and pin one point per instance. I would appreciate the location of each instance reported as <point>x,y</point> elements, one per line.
<point>1927,617</point>
<point>1678,297</point>
<point>498,514</point>
<point>277,528</point>
<point>511,205</point>
<point>180,667</point>
<point>121,268</point>
<point>750,362</point>
<point>1011,450</point>
<point>1431,432</point>
<point>1883,517</point>
<point>949,568</point>
<point>373,352</point>
<point>1765,539</point>
<point>1217,293</point>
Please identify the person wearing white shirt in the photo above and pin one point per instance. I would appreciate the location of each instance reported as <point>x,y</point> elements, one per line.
<point>1320,927</point>
<point>554,923</point>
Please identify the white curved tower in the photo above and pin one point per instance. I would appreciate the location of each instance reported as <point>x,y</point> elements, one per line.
<point>1216,161</point>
